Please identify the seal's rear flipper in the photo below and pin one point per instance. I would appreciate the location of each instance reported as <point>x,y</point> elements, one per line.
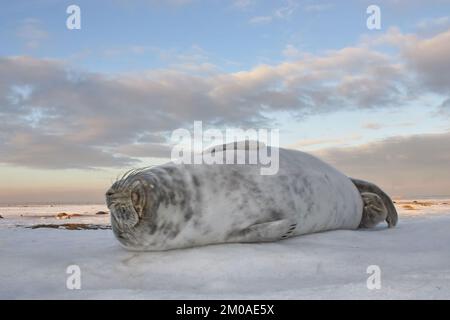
<point>267,231</point>
<point>374,210</point>
<point>370,188</point>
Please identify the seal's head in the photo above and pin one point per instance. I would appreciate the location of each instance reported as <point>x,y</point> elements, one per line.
<point>128,200</point>
<point>149,207</point>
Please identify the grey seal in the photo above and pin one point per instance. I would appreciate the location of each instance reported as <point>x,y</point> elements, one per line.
<point>175,205</point>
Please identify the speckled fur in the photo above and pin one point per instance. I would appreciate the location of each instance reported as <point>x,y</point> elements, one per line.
<point>192,205</point>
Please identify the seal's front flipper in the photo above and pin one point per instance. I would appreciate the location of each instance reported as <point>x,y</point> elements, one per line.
<point>267,231</point>
<point>239,145</point>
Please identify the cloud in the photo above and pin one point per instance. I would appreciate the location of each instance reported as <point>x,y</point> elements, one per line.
<point>174,3</point>
<point>100,111</point>
<point>318,7</point>
<point>143,150</point>
<point>30,148</point>
<point>413,166</point>
<point>291,51</point>
<point>128,50</point>
<point>243,4</point>
<point>372,126</point>
<point>283,12</point>
<point>32,32</point>
<point>426,56</point>
<point>378,126</point>
<point>102,115</point>
<point>260,20</point>
<point>306,143</point>
<point>429,57</point>
<point>444,108</point>
<point>434,25</point>
<point>194,60</point>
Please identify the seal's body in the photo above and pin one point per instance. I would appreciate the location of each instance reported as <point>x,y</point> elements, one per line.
<point>177,205</point>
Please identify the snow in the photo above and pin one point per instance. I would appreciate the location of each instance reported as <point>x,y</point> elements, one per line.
<point>45,214</point>
<point>414,260</point>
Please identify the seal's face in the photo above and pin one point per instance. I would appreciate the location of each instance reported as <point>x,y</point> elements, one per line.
<point>126,200</point>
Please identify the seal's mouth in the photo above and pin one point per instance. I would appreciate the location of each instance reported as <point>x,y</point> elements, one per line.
<point>127,203</point>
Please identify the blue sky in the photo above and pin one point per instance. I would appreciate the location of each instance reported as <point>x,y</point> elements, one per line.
<point>309,68</point>
<point>222,29</point>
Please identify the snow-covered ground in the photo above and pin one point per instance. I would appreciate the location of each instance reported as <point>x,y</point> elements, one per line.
<point>414,260</point>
